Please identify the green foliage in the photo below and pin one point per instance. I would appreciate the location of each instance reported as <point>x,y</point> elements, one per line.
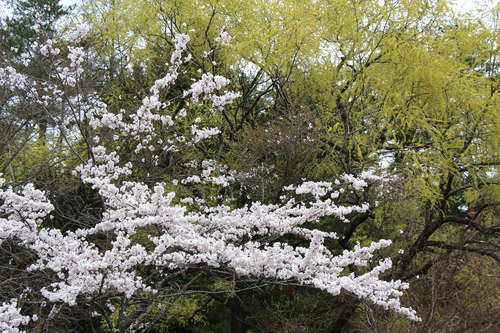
<point>24,27</point>
<point>218,320</point>
<point>178,312</point>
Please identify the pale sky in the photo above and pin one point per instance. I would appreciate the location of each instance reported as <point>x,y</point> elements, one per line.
<point>463,5</point>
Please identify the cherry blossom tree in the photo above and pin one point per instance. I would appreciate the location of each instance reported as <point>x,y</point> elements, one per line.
<point>155,244</point>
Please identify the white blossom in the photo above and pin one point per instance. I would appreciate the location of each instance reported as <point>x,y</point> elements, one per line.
<point>80,32</point>
<point>11,319</point>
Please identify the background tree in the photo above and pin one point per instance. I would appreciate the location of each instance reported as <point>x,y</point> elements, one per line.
<point>30,19</point>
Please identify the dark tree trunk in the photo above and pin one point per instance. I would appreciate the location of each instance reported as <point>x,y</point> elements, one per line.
<point>41,142</point>
<point>238,313</point>
<point>350,306</point>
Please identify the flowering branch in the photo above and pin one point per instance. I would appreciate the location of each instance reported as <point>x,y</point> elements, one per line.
<point>151,229</point>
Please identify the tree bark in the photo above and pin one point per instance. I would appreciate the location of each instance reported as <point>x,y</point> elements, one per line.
<point>350,306</point>
<point>238,313</point>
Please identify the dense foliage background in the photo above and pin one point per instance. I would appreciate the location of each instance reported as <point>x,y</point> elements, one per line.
<point>406,89</point>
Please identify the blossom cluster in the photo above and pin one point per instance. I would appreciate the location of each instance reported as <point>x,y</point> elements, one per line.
<point>11,319</point>
<point>11,79</point>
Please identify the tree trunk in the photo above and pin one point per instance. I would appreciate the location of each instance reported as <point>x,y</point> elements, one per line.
<point>238,313</point>
<point>41,142</point>
<point>350,306</point>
